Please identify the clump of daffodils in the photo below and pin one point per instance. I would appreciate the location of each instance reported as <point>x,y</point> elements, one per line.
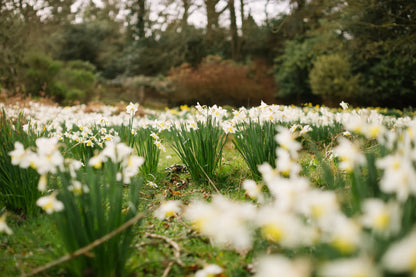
<point>119,152</point>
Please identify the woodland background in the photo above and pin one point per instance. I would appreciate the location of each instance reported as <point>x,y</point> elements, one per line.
<point>318,51</point>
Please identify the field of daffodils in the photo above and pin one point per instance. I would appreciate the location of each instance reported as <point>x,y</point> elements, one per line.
<point>199,191</point>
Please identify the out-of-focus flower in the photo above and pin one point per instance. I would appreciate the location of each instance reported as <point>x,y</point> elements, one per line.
<point>50,204</point>
<point>159,145</point>
<point>343,105</point>
<point>228,127</point>
<point>278,266</point>
<point>401,256</point>
<point>210,270</point>
<point>349,153</point>
<point>20,156</point>
<point>77,188</point>
<point>285,164</point>
<point>48,158</point>
<point>344,234</point>
<point>130,167</point>
<point>131,109</point>
<point>96,161</point>
<point>287,141</point>
<point>43,182</point>
<point>319,205</point>
<point>154,136</point>
<point>253,190</point>
<point>399,176</point>
<point>223,220</point>
<point>284,228</point>
<point>305,129</point>
<point>3,225</point>
<point>374,131</point>
<point>383,218</point>
<point>168,209</point>
<point>152,184</point>
<point>360,266</point>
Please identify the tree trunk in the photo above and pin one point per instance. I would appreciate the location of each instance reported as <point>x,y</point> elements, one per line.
<point>141,14</point>
<point>233,29</point>
<point>184,21</point>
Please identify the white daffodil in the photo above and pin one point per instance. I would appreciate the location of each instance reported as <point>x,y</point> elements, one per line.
<point>401,256</point>
<point>19,155</point>
<point>399,176</point>
<point>352,267</point>
<point>279,265</point>
<point>168,209</point>
<point>253,190</point>
<point>77,188</point>
<point>209,270</point>
<point>287,141</point>
<point>3,225</point>
<point>224,221</point>
<point>131,109</point>
<point>383,218</point>
<point>50,204</point>
<point>284,228</point>
<point>43,182</point>
<point>343,105</point>
<point>349,154</point>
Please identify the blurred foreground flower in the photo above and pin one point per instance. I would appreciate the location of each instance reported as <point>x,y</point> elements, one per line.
<point>168,209</point>
<point>360,266</point>
<point>349,153</point>
<point>209,270</point>
<point>277,266</point>
<point>223,220</point>
<point>401,256</point>
<point>50,204</point>
<point>3,225</point>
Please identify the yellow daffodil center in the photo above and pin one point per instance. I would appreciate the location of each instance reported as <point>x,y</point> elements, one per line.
<point>272,232</point>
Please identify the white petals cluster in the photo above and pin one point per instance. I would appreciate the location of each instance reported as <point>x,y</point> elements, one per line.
<point>3,225</point>
<point>223,220</point>
<point>119,152</point>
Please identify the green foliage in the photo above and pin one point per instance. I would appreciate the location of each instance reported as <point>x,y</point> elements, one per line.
<point>390,82</point>
<point>64,82</point>
<point>382,50</point>
<point>331,78</point>
<point>256,143</point>
<point>200,149</point>
<point>145,147</point>
<point>18,186</point>
<point>93,213</point>
<point>41,73</point>
<point>292,70</point>
<point>12,47</point>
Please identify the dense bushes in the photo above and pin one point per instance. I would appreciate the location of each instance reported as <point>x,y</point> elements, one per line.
<point>65,82</point>
<point>331,78</point>
<point>221,82</point>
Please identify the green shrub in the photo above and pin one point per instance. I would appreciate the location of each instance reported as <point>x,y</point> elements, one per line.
<point>41,73</point>
<point>331,79</point>
<point>292,71</point>
<point>64,82</point>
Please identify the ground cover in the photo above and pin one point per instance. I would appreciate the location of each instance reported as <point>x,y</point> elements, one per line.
<point>337,199</point>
